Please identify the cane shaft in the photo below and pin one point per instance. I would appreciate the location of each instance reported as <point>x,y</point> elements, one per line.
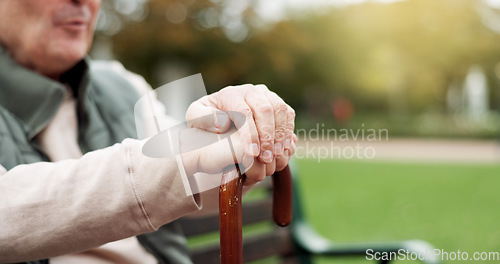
<point>230,191</point>
<point>282,197</point>
<point>230,217</point>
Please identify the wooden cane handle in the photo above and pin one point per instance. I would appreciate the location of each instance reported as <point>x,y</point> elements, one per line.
<point>230,221</point>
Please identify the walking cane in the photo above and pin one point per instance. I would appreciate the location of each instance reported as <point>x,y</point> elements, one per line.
<point>231,247</point>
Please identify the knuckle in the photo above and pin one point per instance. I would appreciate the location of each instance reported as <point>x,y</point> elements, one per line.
<point>282,108</point>
<point>262,87</point>
<point>224,90</point>
<point>266,109</point>
<point>233,90</point>
<point>243,87</point>
<point>266,138</point>
<point>279,134</point>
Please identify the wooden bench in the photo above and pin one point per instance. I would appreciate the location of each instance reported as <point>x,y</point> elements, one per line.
<point>262,239</point>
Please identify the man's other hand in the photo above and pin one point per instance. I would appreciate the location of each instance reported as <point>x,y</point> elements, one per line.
<point>267,133</point>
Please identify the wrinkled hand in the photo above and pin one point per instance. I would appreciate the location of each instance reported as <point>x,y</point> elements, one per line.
<point>267,133</point>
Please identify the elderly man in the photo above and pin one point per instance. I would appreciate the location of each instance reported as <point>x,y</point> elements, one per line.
<point>74,186</point>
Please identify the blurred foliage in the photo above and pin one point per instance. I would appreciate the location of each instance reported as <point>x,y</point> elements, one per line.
<point>115,14</point>
<point>398,58</point>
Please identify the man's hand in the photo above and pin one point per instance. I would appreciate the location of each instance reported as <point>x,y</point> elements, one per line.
<point>267,133</point>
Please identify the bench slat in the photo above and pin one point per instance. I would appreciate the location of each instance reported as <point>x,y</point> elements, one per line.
<point>252,212</point>
<point>255,247</point>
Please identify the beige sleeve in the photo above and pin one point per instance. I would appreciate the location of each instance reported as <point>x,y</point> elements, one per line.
<point>209,198</point>
<point>49,209</point>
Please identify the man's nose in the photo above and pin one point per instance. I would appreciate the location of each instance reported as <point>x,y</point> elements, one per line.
<point>96,3</point>
<point>79,2</point>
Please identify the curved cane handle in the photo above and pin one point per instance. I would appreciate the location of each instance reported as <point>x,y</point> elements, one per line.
<point>230,221</point>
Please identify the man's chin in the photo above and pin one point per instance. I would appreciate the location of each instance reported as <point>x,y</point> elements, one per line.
<point>71,52</point>
<point>61,60</point>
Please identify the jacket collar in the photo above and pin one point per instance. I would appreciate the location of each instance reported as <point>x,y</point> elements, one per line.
<point>33,98</point>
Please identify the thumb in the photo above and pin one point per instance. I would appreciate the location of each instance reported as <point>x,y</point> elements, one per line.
<point>207,118</point>
<point>213,155</point>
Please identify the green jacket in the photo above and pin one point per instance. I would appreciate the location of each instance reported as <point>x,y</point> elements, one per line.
<point>105,110</point>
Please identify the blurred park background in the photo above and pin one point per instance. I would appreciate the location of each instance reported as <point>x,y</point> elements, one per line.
<point>426,71</point>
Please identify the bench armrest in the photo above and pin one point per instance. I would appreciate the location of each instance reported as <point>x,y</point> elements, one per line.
<point>313,243</point>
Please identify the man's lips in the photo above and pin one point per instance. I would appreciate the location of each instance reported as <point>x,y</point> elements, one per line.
<point>73,17</point>
<point>73,24</point>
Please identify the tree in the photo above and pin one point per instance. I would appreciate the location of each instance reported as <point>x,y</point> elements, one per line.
<point>398,57</point>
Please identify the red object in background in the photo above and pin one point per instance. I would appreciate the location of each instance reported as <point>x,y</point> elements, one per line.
<point>343,109</point>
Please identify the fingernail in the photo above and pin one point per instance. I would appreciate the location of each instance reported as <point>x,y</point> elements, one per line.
<point>220,119</point>
<point>254,149</point>
<point>287,143</point>
<point>267,156</point>
<point>278,149</point>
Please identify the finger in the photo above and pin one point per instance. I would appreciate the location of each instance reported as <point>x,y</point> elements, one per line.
<point>282,160</point>
<point>290,126</point>
<point>293,147</point>
<point>219,124</point>
<point>204,115</point>
<point>256,173</point>
<point>249,135</point>
<point>280,121</point>
<point>211,158</point>
<point>271,167</point>
<point>263,114</point>
<point>232,99</point>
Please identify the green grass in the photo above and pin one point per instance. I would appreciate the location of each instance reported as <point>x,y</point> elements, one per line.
<point>453,206</point>
<point>423,125</point>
